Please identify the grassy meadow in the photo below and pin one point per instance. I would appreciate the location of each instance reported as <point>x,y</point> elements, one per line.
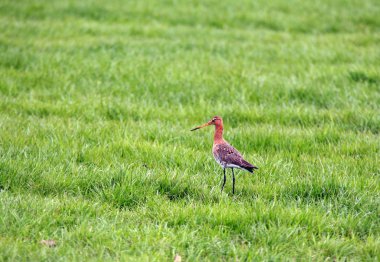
<point>97,99</point>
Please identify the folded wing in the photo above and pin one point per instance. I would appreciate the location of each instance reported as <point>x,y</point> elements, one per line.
<point>231,157</point>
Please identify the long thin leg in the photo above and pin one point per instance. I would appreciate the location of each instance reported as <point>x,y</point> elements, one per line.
<point>224,179</point>
<point>233,182</point>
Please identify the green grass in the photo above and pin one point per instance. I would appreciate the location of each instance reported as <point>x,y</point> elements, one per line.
<point>97,100</point>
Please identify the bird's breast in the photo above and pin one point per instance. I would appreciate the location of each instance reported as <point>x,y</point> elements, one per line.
<point>217,157</point>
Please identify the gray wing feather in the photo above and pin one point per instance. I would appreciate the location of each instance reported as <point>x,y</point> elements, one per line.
<point>229,155</point>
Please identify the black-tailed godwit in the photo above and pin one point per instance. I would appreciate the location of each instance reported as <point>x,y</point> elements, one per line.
<point>225,154</point>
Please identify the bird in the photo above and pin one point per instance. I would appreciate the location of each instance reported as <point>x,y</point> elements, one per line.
<point>225,154</point>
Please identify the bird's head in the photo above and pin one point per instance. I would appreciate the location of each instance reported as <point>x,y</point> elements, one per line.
<point>216,121</point>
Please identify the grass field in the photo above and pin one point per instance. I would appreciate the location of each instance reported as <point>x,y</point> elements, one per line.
<point>97,99</point>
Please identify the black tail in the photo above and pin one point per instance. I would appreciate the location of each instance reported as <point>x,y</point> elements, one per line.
<point>249,167</point>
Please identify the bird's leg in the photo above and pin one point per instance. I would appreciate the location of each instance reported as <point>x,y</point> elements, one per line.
<point>224,179</point>
<point>233,182</point>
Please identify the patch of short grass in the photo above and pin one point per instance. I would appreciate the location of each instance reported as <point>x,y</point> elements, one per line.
<point>97,100</point>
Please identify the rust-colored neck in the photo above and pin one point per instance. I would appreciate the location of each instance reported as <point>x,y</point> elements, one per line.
<point>218,136</point>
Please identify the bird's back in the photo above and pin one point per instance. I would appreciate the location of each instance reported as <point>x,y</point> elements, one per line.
<point>228,157</point>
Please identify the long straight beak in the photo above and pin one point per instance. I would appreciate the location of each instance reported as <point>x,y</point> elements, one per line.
<point>198,127</point>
